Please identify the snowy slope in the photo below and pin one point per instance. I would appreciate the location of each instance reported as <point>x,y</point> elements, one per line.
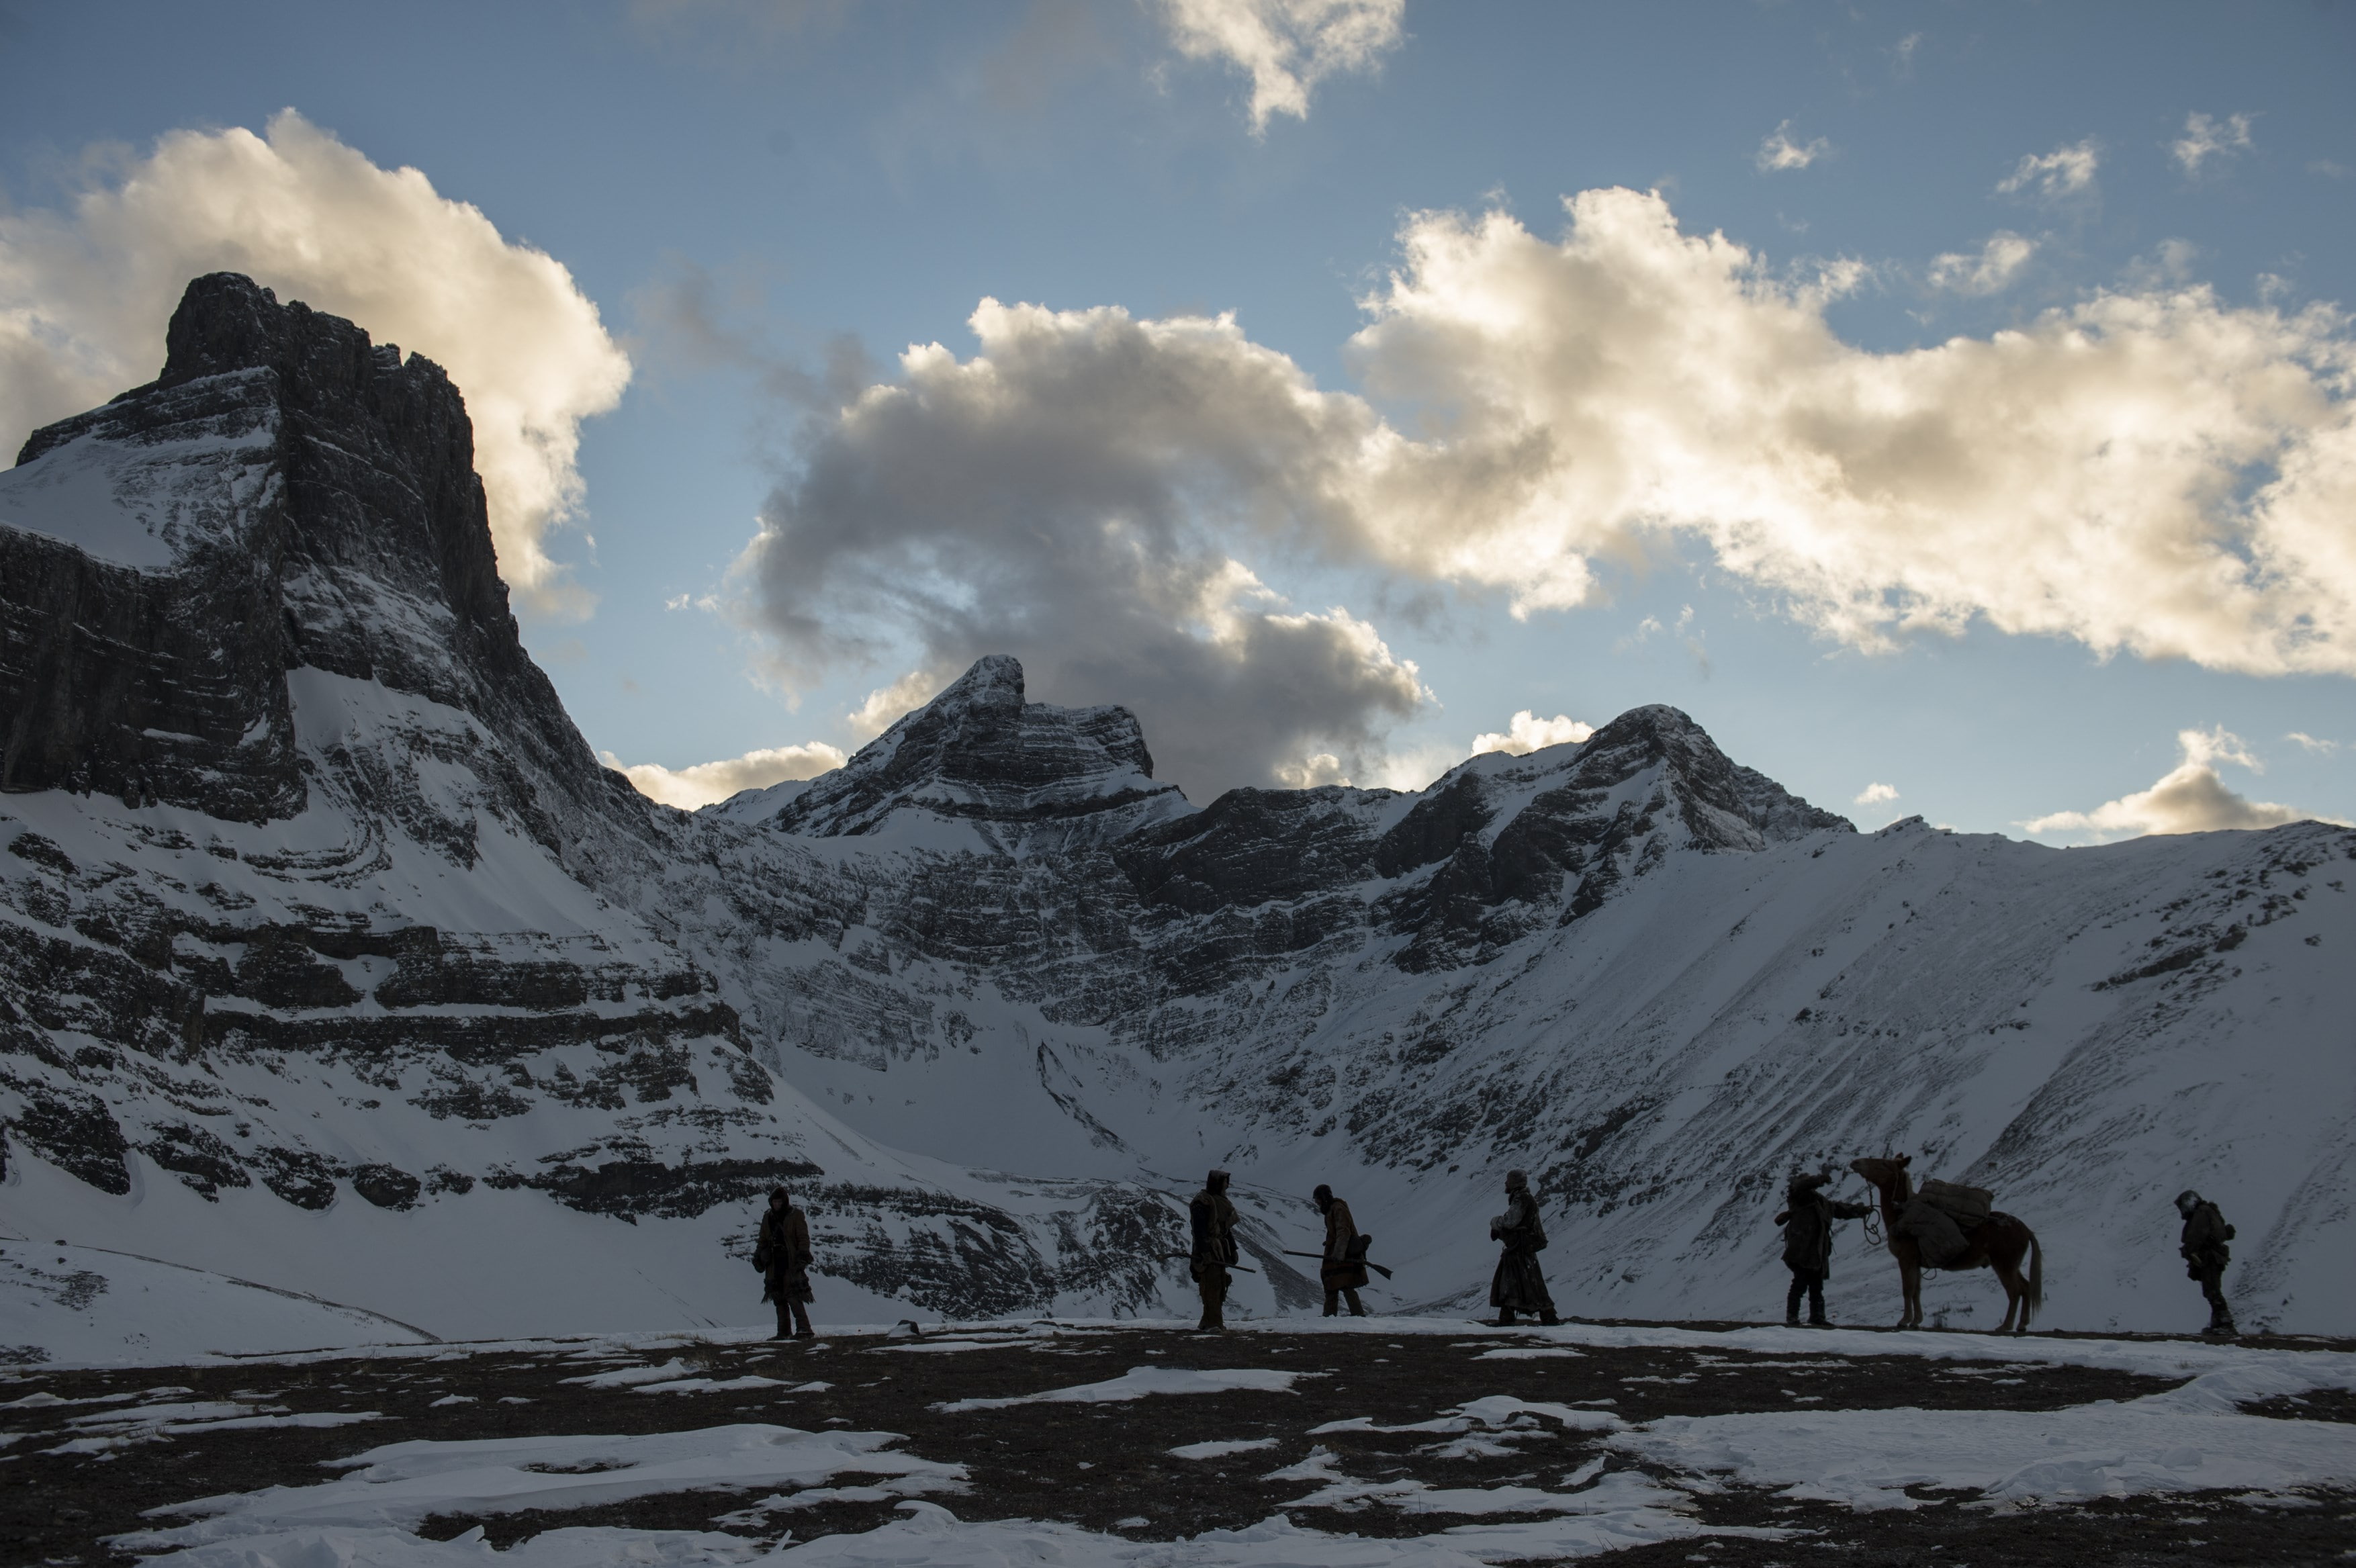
<point>329,959</point>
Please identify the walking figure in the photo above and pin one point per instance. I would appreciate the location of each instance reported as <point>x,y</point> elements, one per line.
<point>1345,1264</point>
<point>1517,1285</point>
<point>1807,1220</point>
<point>1212,1218</point>
<point>783,1256</point>
<point>2205,1257</point>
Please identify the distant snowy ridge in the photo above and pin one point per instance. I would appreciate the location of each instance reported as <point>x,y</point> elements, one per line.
<point>329,957</point>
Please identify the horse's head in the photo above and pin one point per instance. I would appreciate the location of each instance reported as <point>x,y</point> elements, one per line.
<point>1887,1172</point>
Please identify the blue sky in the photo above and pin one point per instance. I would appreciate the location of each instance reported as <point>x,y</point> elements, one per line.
<point>767,203</point>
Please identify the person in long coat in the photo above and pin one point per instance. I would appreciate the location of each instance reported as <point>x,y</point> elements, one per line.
<point>1517,1285</point>
<point>1344,1266</point>
<point>1213,1220</point>
<point>1807,1220</point>
<point>783,1256</point>
<point>2206,1254</point>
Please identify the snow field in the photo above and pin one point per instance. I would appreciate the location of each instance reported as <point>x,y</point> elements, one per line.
<point>1638,1489</point>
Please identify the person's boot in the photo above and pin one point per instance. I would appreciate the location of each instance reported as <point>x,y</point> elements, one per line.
<point>1333,1305</point>
<point>1357,1307</point>
<point>1791,1317</point>
<point>1820,1321</point>
<point>2221,1325</point>
<point>1546,1319</point>
<point>1504,1317</point>
<point>785,1326</point>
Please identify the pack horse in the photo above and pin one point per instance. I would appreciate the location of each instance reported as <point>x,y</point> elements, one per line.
<point>1947,1226</point>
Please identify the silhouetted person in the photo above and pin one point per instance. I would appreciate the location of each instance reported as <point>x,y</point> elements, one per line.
<point>1807,1220</point>
<point>2205,1257</point>
<point>1344,1266</point>
<point>1213,1219</point>
<point>783,1256</point>
<point>1517,1285</point>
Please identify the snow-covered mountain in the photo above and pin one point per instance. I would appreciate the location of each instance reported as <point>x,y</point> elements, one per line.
<point>330,959</point>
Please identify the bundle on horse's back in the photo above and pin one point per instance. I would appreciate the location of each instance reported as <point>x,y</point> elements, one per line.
<point>1969,1205</point>
<point>1932,1229</point>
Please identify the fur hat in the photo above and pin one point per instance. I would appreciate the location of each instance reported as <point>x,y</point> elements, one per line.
<point>2186,1201</point>
<point>1516,1179</point>
<point>1324,1195</point>
<point>1217,1180</point>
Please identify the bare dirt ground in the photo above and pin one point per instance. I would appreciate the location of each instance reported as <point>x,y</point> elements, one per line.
<point>65,1489</point>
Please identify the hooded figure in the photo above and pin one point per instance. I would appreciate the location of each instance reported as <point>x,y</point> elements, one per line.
<point>783,1256</point>
<point>1517,1285</point>
<point>1344,1266</point>
<point>1807,1220</point>
<point>2205,1257</point>
<point>1212,1218</point>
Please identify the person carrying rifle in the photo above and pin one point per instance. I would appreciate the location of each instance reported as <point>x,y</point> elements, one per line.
<point>1213,1219</point>
<point>1344,1265</point>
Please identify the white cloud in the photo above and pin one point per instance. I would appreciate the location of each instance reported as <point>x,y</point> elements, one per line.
<point>886,704</point>
<point>2206,138</point>
<point>85,294</point>
<point>2149,470</point>
<point>1313,772</point>
<point>1780,152</point>
<point>2311,744</point>
<point>2064,171</point>
<point>2193,798</point>
<point>1286,47</point>
<point>1528,732</point>
<point>706,782</point>
<point>1875,794</point>
<point>2000,261</point>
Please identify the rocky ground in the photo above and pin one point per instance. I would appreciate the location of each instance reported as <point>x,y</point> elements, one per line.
<point>94,1455</point>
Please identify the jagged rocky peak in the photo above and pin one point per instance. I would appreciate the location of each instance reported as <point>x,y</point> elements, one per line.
<point>979,751</point>
<point>286,495</point>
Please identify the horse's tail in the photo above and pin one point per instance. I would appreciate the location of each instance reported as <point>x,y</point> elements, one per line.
<point>2036,1296</point>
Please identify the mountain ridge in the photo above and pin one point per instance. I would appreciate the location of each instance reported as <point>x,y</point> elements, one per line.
<point>990,994</point>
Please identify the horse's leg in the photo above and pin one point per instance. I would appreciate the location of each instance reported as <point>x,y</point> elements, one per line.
<point>1910,1274</point>
<point>2014,1289</point>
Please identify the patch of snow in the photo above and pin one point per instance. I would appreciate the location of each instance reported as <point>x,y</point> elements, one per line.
<point>1140,1381</point>
<point>2192,1438</point>
<point>1221,1450</point>
<point>401,1484</point>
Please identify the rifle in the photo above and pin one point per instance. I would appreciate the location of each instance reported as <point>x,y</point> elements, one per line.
<point>1189,1257</point>
<point>1378,1268</point>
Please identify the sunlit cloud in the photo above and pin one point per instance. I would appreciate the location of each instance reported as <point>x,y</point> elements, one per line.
<point>85,293</point>
<point>1992,269</point>
<point>705,784</point>
<point>1285,47</point>
<point>1779,152</point>
<point>2191,798</point>
<point>1527,733</point>
<point>2207,140</point>
<point>2149,470</point>
<point>2065,172</point>
<point>1876,795</point>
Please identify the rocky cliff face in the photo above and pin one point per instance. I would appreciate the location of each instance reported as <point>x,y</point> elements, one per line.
<point>330,958</point>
